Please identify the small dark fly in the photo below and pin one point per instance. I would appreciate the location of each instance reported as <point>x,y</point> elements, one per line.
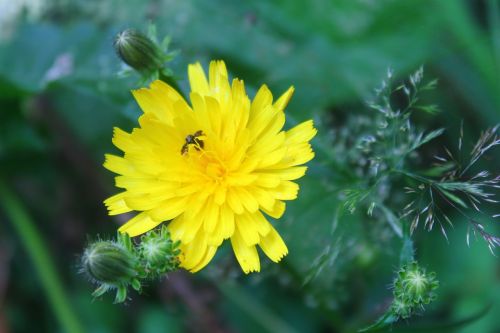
<point>194,140</point>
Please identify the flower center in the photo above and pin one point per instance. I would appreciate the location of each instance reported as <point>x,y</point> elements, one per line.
<point>215,170</point>
<point>206,160</point>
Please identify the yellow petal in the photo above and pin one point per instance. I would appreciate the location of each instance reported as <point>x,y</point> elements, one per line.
<point>169,209</point>
<point>138,225</point>
<point>263,197</point>
<point>197,79</point>
<point>241,105</point>
<point>193,218</point>
<point>122,140</point>
<point>157,101</point>
<point>263,226</point>
<point>211,217</point>
<point>286,190</point>
<point>303,132</point>
<point>177,227</point>
<point>272,158</point>
<point>116,204</point>
<point>247,256</point>
<point>234,201</point>
<point>216,236</point>
<point>247,228</point>
<point>288,173</point>
<point>282,102</point>
<point>209,254</point>
<point>214,114</point>
<point>194,252</point>
<point>267,180</point>
<point>277,210</point>
<point>227,221</point>
<point>119,165</point>
<point>218,80</point>
<point>273,246</point>
<point>248,200</point>
<point>297,154</point>
<point>262,100</point>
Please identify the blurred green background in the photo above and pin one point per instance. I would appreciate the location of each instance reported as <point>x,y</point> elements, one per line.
<point>60,96</point>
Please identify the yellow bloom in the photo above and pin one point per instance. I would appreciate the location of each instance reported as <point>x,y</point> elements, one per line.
<point>213,168</point>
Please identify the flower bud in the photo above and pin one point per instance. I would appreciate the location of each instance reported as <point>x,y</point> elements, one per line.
<point>138,51</point>
<point>413,288</point>
<point>109,263</point>
<point>402,308</point>
<point>158,253</point>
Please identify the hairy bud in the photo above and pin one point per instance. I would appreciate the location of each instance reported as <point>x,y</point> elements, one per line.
<point>138,51</point>
<point>120,264</point>
<point>112,265</point>
<point>158,252</point>
<point>108,262</point>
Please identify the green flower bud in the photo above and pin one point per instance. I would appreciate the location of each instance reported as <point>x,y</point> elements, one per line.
<point>402,308</point>
<point>413,288</point>
<point>158,253</point>
<point>138,51</point>
<point>118,265</point>
<point>109,263</point>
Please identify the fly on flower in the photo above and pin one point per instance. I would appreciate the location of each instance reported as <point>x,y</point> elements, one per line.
<point>195,140</point>
<point>215,168</point>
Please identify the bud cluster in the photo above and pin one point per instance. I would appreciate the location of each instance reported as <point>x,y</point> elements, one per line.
<point>413,288</point>
<point>120,264</point>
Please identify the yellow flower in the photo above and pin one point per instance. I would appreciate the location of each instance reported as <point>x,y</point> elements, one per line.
<point>215,168</point>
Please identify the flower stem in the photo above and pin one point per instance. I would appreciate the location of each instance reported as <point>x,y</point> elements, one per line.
<point>407,254</point>
<point>39,255</point>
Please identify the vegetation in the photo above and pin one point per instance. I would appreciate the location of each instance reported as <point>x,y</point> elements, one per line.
<point>383,233</point>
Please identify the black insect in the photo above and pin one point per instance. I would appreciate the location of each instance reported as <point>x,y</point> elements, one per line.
<point>193,139</point>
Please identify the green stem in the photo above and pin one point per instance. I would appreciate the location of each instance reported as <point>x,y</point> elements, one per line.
<point>407,254</point>
<point>37,250</point>
<point>414,176</point>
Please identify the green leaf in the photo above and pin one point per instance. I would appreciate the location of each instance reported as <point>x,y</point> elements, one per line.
<point>100,291</point>
<point>387,319</point>
<point>121,294</point>
<point>430,136</point>
<point>136,284</point>
<point>393,221</point>
<point>453,197</point>
<point>439,170</point>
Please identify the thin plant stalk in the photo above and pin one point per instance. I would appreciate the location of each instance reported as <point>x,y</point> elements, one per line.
<point>40,257</point>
